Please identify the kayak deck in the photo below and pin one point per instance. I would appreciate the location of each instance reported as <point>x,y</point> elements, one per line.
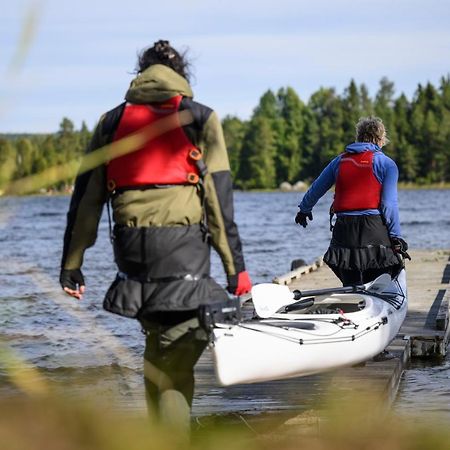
<point>328,331</point>
<point>295,395</point>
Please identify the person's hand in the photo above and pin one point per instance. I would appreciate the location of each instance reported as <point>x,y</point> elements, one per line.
<point>400,246</point>
<point>72,282</point>
<point>301,217</point>
<point>239,284</point>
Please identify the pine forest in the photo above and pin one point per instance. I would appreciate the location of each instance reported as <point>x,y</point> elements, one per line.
<point>286,139</point>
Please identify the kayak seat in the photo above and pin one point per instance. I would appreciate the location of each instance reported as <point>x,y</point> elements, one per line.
<point>346,307</point>
<point>332,305</point>
<point>333,308</point>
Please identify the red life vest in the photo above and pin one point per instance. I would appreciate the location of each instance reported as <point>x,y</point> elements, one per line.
<point>169,158</point>
<point>357,187</point>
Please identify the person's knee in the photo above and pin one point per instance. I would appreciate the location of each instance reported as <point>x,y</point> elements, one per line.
<point>156,376</point>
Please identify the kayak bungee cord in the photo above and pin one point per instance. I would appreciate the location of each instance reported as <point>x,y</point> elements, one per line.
<point>391,297</point>
<point>320,340</point>
<point>394,299</point>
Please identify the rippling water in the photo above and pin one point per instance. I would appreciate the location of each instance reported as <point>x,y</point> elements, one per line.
<point>80,347</point>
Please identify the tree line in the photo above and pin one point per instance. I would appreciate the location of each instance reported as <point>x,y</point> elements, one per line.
<point>287,139</point>
<point>23,155</point>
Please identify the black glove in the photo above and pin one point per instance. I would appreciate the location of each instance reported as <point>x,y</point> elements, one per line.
<point>301,217</point>
<point>400,246</point>
<point>71,279</point>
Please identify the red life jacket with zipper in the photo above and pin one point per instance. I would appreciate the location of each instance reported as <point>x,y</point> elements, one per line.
<point>163,159</point>
<point>357,187</point>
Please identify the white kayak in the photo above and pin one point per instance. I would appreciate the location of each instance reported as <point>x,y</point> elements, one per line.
<point>324,330</point>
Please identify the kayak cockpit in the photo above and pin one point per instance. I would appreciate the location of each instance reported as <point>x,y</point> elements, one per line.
<point>328,304</point>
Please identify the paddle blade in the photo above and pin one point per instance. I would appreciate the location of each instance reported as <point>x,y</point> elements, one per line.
<point>268,298</point>
<point>379,284</point>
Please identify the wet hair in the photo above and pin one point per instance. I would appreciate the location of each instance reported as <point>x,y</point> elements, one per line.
<point>163,53</point>
<point>371,129</point>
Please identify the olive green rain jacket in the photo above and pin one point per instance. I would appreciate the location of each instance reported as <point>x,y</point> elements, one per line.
<point>161,247</point>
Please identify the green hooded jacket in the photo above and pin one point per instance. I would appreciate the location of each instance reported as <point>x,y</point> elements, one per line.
<point>174,206</point>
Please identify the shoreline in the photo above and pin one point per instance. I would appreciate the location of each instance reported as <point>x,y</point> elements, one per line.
<point>401,187</point>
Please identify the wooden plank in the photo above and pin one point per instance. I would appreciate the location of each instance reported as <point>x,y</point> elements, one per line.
<point>379,379</point>
<point>445,341</point>
<point>442,315</point>
<point>297,273</point>
<point>446,275</point>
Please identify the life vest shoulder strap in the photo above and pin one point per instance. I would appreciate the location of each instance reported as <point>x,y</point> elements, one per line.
<point>111,121</point>
<point>200,112</point>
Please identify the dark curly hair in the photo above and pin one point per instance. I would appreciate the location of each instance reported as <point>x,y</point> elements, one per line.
<point>163,53</point>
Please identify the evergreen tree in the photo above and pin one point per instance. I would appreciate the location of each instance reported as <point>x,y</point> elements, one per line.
<point>309,143</point>
<point>269,109</point>
<point>66,127</point>
<point>352,111</point>
<point>428,137</point>
<point>24,157</point>
<point>326,106</point>
<point>85,137</point>
<point>67,142</point>
<point>48,151</point>
<point>7,162</point>
<point>417,121</point>
<point>234,131</point>
<point>444,90</point>
<point>366,102</point>
<point>257,169</point>
<point>406,154</point>
<point>289,153</point>
<point>383,106</point>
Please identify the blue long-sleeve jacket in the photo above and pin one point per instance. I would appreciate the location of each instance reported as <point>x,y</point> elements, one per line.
<point>386,172</point>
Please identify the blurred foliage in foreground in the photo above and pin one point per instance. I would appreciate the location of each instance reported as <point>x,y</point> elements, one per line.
<point>285,139</point>
<point>52,423</point>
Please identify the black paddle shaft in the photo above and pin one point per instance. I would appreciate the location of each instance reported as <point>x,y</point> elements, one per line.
<point>301,304</point>
<point>315,292</point>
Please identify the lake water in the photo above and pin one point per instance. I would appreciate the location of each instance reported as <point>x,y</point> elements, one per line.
<point>81,348</point>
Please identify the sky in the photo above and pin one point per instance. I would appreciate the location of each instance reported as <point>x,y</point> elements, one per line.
<point>81,54</point>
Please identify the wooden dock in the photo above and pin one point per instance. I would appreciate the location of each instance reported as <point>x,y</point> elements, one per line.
<point>425,333</point>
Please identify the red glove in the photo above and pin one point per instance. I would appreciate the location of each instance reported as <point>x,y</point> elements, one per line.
<point>239,284</point>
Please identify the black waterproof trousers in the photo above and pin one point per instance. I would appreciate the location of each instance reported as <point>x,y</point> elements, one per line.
<point>360,249</point>
<point>174,343</point>
<point>163,278</point>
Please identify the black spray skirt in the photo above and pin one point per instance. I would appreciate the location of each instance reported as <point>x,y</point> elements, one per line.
<point>360,243</point>
<point>161,269</point>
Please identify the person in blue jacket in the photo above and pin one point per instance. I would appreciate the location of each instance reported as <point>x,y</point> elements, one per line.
<point>366,239</point>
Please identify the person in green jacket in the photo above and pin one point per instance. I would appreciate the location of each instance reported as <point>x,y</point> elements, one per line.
<point>171,199</point>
